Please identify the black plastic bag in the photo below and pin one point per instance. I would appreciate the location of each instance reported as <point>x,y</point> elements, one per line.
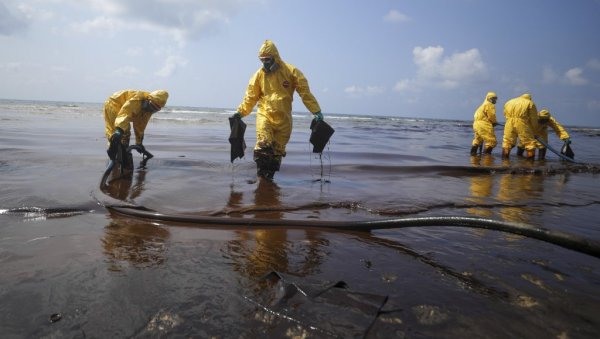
<point>319,137</point>
<point>236,137</point>
<point>567,151</point>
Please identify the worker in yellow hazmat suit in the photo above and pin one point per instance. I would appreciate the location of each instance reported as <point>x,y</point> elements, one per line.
<point>484,121</point>
<point>130,106</point>
<point>272,87</point>
<point>546,120</point>
<point>521,121</point>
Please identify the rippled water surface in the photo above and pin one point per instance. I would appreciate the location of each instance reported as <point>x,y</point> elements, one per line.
<point>72,268</point>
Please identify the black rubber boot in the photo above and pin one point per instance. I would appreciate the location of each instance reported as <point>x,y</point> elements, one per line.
<point>267,163</point>
<point>474,149</point>
<point>520,151</point>
<point>542,154</point>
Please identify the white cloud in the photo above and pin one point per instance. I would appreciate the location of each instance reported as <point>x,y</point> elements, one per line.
<point>402,85</point>
<point>574,76</point>
<point>448,72</point>
<point>549,75</point>
<point>395,16</point>
<point>594,64</point>
<point>358,91</point>
<point>11,23</point>
<point>101,25</point>
<point>134,51</point>
<point>126,71</point>
<point>181,20</point>
<point>11,66</point>
<point>171,64</point>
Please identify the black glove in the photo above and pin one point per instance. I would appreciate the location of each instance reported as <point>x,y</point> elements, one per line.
<point>117,135</point>
<point>115,140</point>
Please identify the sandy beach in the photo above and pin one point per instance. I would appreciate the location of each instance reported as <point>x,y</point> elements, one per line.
<point>109,275</point>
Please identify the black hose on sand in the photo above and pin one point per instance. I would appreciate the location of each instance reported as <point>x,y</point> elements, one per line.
<point>569,241</point>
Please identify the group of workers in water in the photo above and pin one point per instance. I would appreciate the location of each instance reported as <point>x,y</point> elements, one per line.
<point>525,127</point>
<point>272,87</point>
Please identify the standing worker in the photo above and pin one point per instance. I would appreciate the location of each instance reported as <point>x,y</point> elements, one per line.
<point>483,124</point>
<point>546,120</point>
<point>130,106</point>
<point>521,121</point>
<point>272,87</point>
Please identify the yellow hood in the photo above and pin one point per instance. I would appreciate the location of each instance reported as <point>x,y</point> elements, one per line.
<point>159,97</point>
<point>526,96</point>
<point>268,49</point>
<point>544,114</point>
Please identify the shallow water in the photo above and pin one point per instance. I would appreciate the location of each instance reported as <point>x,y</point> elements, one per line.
<point>110,275</point>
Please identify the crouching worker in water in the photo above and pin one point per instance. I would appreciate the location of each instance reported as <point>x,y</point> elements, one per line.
<point>125,107</point>
<point>521,121</point>
<point>546,120</point>
<point>272,87</point>
<point>483,125</point>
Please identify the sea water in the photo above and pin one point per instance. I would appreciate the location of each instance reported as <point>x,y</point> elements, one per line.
<point>105,274</point>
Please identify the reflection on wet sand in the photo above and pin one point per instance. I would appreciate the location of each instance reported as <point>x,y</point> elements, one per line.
<point>256,253</point>
<point>515,192</point>
<point>481,186</point>
<point>121,187</point>
<point>133,242</point>
<point>519,189</point>
<point>126,240</point>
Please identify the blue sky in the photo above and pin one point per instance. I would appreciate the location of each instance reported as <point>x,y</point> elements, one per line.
<point>409,58</point>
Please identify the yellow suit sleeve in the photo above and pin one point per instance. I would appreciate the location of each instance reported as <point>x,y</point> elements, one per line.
<point>490,112</point>
<point>304,91</point>
<point>139,126</point>
<point>253,94</point>
<point>124,116</point>
<point>558,129</point>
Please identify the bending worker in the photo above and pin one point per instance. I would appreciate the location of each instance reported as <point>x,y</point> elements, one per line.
<point>483,124</point>
<point>521,121</point>
<point>130,106</point>
<point>546,120</point>
<point>272,87</point>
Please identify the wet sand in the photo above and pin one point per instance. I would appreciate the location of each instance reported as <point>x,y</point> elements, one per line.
<point>110,275</point>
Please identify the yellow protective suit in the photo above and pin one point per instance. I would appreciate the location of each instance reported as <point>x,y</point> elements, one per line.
<point>274,92</point>
<point>521,121</point>
<point>542,127</point>
<point>124,107</point>
<point>484,121</point>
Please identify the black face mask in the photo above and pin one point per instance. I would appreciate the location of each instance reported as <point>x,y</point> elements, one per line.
<point>269,64</point>
<point>147,107</point>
